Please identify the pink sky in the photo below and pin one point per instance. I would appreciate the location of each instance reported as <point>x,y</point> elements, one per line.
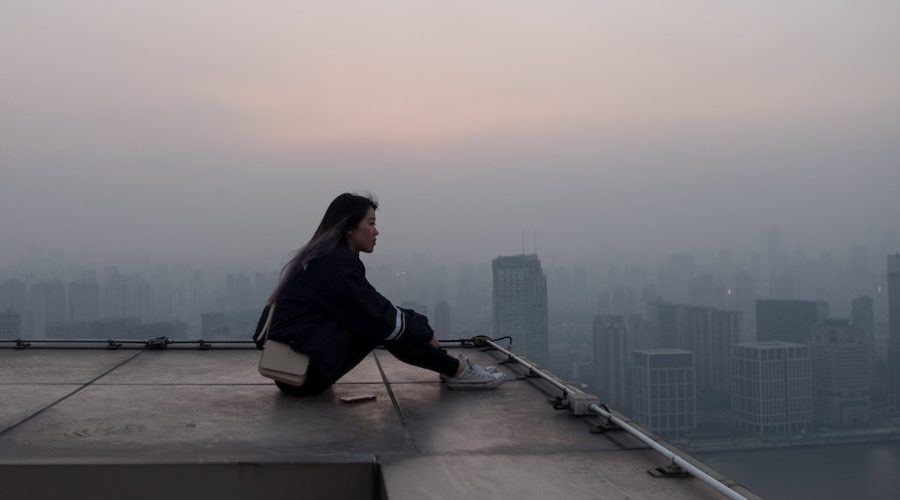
<point>110,107</point>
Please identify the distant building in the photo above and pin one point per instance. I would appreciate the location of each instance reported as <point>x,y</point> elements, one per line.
<point>441,320</point>
<point>71,330</point>
<point>786,320</point>
<point>703,290</point>
<point>771,387</point>
<point>126,297</point>
<point>745,299</point>
<point>214,325</point>
<point>863,317</point>
<point>49,305</point>
<point>84,300</point>
<point>705,331</point>
<point>174,330</point>
<point>520,305</point>
<point>841,369</point>
<point>893,383</point>
<point>238,293</point>
<point>10,324</point>
<point>116,328</point>
<point>610,360</point>
<point>663,391</point>
<point>13,296</point>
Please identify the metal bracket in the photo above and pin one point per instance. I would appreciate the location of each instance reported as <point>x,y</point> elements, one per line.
<point>204,345</point>
<point>604,427</point>
<point>157,343</point>
<point>559,403</point>
<point>671,471</point>
<point>480,341</point>
<point>112,344</point>
<point>580,402</point>
<point>21,344</point>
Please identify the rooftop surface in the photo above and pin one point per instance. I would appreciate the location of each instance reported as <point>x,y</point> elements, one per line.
<point>142,419</point>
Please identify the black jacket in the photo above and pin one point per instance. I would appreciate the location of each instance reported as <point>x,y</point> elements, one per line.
<point>333,294</point>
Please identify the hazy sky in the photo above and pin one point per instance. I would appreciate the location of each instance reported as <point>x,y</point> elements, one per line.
<point>225,127</point>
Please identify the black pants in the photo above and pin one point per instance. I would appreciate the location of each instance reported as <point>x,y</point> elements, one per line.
<point>332,357</point>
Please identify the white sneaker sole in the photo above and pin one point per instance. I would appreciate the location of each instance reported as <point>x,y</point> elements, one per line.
<point>473,385</point>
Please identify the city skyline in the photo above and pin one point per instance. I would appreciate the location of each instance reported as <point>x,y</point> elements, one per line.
<point>684,212</point>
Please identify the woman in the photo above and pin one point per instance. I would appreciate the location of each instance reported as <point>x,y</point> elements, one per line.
<point>327,309</point>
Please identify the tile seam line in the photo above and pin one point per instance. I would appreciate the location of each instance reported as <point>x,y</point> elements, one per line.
<point>14,426</point>
<point>407,433</point>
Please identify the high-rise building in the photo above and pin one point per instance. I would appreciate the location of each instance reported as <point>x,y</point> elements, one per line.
<point>663,391</point>
<point>441,320</point>
<point>214,325</point>
<point>48,305</point>
<point>520,305</point>
<point>705,331</point>
<point>744,294</point>
<point>786,320</point>
<point>71,330</point>
<point>893,383</point>
<point>771,387</point>
<point>84,300</point>
<point>10,324</point>
<point>13,296</point>
<point>238,293</point>
<point>126,297</point>
<point>116,328</point>
<point>170,329</point>
<point>863,317</point>
<point>610,359</point>
<point>840,374</point>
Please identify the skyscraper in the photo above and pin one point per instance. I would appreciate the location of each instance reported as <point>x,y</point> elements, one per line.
<point>663,391</point>
<point>786,320</point>
<point>893,385</point>
<point>772,387</point>
<point>705,331</point>
<point>84,300</point>
<point>49,305</point>
<point>610,359</point>
<point>10,324</point>
<point>520,305</point>
<point>238,293</point>
<point>863,317</point>
<point>840,374</point>
<point>14,297</point>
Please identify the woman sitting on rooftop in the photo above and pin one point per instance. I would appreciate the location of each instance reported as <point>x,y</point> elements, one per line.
<point>325,308</point>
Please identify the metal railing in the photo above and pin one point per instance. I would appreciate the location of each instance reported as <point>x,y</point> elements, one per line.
<point>151,343</point>
<point>597,409</point>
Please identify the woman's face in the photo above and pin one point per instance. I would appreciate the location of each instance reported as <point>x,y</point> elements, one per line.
<point>362,237</point>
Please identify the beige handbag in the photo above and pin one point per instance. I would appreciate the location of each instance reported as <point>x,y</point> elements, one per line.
<point>278,361</point>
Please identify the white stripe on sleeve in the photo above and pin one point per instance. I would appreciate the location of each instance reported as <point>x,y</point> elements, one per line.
<point>398,326</point>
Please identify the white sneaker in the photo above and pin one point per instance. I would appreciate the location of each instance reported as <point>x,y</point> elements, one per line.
<point>462,359</point>
<point>474,377</point>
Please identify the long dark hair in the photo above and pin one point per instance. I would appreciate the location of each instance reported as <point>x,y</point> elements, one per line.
<point>343,214</point>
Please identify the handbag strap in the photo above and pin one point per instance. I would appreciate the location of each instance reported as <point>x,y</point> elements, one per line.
<point>265,330</point>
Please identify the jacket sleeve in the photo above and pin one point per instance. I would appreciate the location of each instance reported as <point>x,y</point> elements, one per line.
<point>356,303</point>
